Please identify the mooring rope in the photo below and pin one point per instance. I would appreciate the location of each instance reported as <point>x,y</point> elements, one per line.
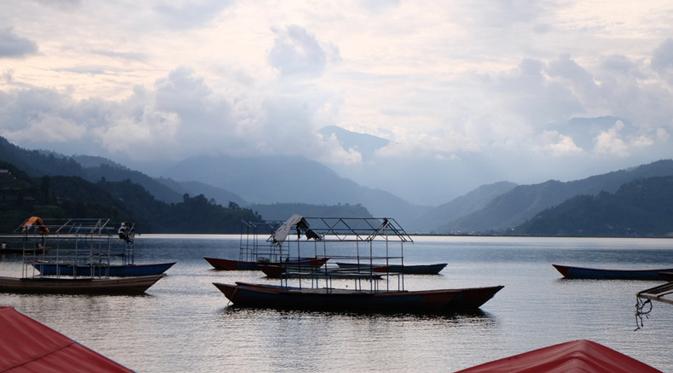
<point>642,311</point>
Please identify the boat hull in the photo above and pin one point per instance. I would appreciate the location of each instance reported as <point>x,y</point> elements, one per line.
<point>429,301</point>
<point>93,286</point>
<point>570,272</point>
<point>124,270</point>
<point>278,271</point>
<point>240,265</point>
<point>420,269</point>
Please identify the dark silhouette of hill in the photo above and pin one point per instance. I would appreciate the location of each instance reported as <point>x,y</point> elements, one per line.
<point>436,218</point>
<point>640,208</point>
<point>57,197</point>
<point>220,195</point>
<point>525,201</point>
<point>281,211</point>
<point>289,179</point>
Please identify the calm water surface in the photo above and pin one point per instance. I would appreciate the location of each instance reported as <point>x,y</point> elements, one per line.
<point>185,325</point>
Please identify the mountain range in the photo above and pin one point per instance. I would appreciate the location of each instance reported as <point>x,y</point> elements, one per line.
<point>643,207</point>
<point>511,209</point>
<point>279,186</point>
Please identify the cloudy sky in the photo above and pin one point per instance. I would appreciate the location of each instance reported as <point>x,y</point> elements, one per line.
<point>466,92</point>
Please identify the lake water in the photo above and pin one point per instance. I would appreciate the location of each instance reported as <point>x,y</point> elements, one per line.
<point>184,324</point>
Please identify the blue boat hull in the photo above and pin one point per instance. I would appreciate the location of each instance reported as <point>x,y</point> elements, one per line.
<point>120,270</point>
<point>612,274</point>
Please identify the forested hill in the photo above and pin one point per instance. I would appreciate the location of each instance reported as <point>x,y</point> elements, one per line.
<point>71,196</point>
<point>640,208</point>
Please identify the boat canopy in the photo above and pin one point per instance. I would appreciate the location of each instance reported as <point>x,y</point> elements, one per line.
<point>34,222</point>
<point>29,346</point>
<point>340,229</point>
<point>574,356</point>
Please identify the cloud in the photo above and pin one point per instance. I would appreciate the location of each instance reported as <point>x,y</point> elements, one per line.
<point>662,57</point>
<point>14,46</point>
<point>179,116</point>
<point>188,14</point>
<point>559,145</point>
<point>297,52</point>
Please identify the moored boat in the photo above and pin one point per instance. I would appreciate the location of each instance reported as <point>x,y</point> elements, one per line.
<point>373,239</point>
<point>81,285</point>
<point>76,243</point>
<point>241,265</point>
<point>571,272</point>
<point>96,269</point>
<point>342,300</point>
<point>413,269</point>
<point>284,271</point>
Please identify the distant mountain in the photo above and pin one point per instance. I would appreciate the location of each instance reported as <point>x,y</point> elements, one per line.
<point>363,143</point>
<point>38,163</point>
<point>41,163</point>
<point>288,179</point>
<point>91,161</point>
<point>281,211</point>
<point>58,197</point>
<point>221,196</point>
<point>437,218</point>
<point>640,208</point>
<point>113,172</point>
<point>525,201</point>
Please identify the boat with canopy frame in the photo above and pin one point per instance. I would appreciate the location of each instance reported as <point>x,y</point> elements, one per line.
<point>254,253</point>
<point>80,251</point>
<point>370,241</point>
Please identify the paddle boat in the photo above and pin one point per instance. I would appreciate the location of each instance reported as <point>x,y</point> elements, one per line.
<point>413,269</point>
<point>75,243</point>
<point>373,237</point>
<point>571,272</point>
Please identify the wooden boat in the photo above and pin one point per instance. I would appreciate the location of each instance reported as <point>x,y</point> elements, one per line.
<point>570,272</point>
<point>426,301</point>
<point>283,271</point>
<point>97,286</point>
<point>574,356</point>
<point>415,269</point>
<point>240,265</point>
<point>118,270</point>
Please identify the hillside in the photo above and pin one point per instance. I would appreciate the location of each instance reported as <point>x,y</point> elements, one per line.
<point>437,218</point>
<point>639,208</point>
<point>281,211</point>
<point>286,179</point>
<point>525,201</point>
<point>56,197</point>
<point>221,196</point>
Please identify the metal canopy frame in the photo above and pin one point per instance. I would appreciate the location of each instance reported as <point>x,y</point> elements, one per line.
<point>373,239</point>
<point>75,241</point>
<point>352,229</point>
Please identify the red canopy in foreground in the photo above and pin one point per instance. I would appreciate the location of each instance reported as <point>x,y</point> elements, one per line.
<point>574,356</point>
<point>29,346</point>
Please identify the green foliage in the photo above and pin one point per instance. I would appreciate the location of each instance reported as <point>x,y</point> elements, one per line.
<point>70,196</point>
<point>640,208</point>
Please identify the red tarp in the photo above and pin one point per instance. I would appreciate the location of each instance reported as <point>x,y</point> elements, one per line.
<point>573,356</point>
<point>29,346</point>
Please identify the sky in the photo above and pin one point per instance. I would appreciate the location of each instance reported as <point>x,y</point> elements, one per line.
<point>465,92</point>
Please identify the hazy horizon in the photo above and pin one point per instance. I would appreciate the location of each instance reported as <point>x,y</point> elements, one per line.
<point>463,93</point>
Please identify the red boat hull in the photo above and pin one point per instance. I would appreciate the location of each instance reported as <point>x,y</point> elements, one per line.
<point>240,265</point>
<point>428,301</point>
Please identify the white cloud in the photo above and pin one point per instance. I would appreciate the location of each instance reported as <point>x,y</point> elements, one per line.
<point>13,45</point>
<point>298,52</point>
